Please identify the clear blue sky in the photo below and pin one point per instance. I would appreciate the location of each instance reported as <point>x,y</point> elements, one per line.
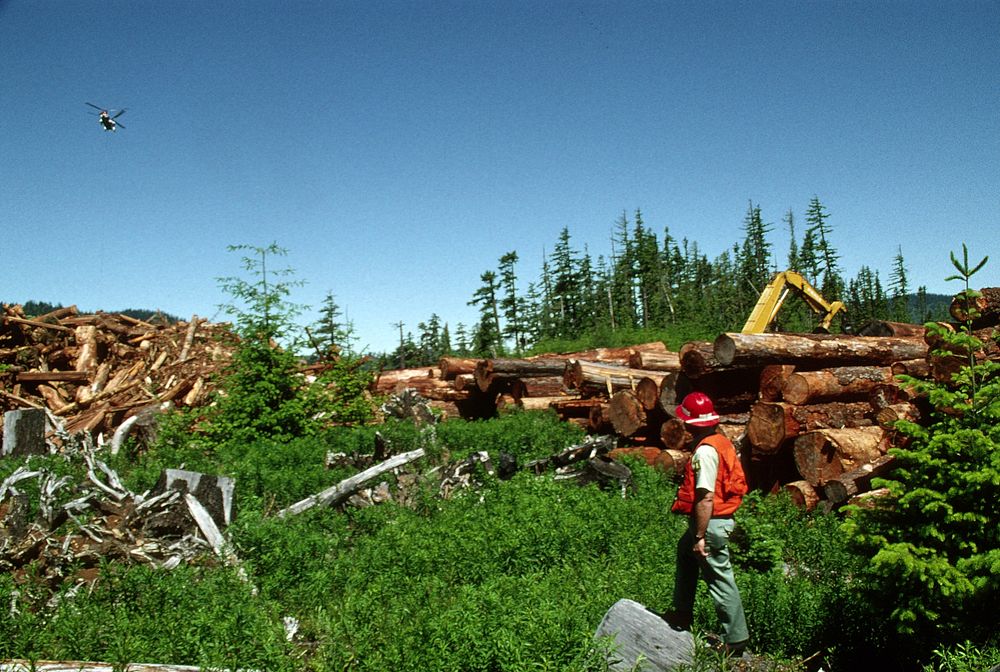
<point>397,149</point>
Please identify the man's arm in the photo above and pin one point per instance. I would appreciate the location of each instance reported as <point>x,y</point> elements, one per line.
<point>704,503</point>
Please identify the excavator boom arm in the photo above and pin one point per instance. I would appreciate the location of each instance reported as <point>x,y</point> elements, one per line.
<point>770,300</point>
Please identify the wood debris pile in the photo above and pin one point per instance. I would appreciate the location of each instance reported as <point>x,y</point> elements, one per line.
<point>64,528</point>
<point>813,413</point>
<point>96,371</point>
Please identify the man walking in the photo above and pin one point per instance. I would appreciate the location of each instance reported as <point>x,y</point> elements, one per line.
<point>711,492</point>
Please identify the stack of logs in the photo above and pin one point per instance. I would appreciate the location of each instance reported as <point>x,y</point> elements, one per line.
<point>95,371</point>
<point>814,414</point>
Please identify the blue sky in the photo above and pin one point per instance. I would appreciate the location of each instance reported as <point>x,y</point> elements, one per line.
<point>398,149</point>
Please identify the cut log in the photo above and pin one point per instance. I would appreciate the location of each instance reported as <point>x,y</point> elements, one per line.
<point>598,378</point>
<point>731,390</point>
<point>803,494</point>
<point>816,350</point>
<point>544,386</point>
<point>672,461</point>
<point>824,454</point>
<point>893,413</point>
<point>626,413</point>
<point>87,338</point>
<point>887,394</point>
<point>917,368</point>
<point>772,380</point>
<point>886,328</point>
<point>488,371</point>
<point>674,435</point>
<point>655,361</point>
<point>388,381</point>
<point>697,358</point>
<point>453,366</point>
<point>843,383</point>
<point>570,407</point>
<point>647,391</point>
<point>983,311</point>
<point>772,423</point>
<point>841,488</point>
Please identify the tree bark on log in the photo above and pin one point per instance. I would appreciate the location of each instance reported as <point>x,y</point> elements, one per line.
<point>841,488</point>
<point>731,391</point>
<point>773,423</point>
<point>824,454</point>
<point>817,350</point>
<point>843,383</point>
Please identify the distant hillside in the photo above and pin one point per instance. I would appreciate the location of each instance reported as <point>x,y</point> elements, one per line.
<point>934,308</point>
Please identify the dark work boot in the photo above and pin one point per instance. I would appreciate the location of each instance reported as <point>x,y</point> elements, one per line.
<point>678,620</point>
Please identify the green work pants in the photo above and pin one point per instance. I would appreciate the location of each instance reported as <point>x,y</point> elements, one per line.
<point>717,572</point>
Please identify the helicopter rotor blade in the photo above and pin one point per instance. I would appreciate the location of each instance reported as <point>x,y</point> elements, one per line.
<point>119,124</point>
<point>119,114</point>
<point>95,106</point>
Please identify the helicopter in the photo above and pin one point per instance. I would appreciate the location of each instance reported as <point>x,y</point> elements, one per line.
<point>106,119</point>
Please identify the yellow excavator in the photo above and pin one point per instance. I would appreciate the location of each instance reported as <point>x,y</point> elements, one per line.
<point>774,295</point>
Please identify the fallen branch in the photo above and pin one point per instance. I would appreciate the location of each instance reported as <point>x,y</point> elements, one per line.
<point>336,494</point>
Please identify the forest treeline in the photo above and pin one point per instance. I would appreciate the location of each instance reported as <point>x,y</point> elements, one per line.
<point>659,286</point>
<point>649,287</point>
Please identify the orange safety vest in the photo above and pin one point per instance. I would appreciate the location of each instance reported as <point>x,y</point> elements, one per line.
<point>730,482</point>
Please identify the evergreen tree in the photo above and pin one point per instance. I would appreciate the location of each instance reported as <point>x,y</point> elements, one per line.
<point>430,347</point>
<point>900,289</point>
<point>330,336</point>
<point>648,271</point>
<point>487,338</point>
<point>753,266</point>
<point>793,246</point>
<point>511,305</point>
<point>832,283</point>
<point>623,302</point>
<point>566,286</point>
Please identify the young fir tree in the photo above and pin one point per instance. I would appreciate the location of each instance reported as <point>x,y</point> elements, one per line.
<point>934,541</point>
<point>260,391</point>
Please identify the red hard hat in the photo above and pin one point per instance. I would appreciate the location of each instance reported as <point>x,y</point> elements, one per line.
<point>698,410</point>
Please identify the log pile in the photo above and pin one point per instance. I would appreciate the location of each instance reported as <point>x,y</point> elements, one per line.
<point>96,371</point>
<point>813,413</point>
